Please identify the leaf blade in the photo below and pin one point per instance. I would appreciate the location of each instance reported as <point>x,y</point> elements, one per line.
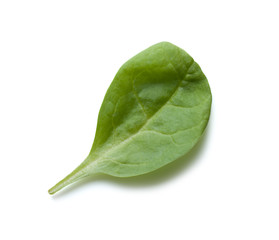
<point>113,158</point>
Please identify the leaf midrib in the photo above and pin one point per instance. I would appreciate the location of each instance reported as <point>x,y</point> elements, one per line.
<point>147,121</point>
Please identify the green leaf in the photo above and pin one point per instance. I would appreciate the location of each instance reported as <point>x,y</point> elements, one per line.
<point>154,112</point>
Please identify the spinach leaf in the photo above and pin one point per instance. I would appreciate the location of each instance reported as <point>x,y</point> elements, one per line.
<point>154,112</point>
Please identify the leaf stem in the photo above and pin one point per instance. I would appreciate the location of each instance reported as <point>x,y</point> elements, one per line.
<point>79,173</point>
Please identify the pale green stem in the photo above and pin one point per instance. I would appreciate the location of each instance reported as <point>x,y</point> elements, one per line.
<point>79,173</point>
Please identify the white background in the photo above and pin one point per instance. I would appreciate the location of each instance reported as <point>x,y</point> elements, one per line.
<point>57,58</point>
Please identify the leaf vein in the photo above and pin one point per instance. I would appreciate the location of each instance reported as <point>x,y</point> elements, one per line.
<point>150,118</point>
